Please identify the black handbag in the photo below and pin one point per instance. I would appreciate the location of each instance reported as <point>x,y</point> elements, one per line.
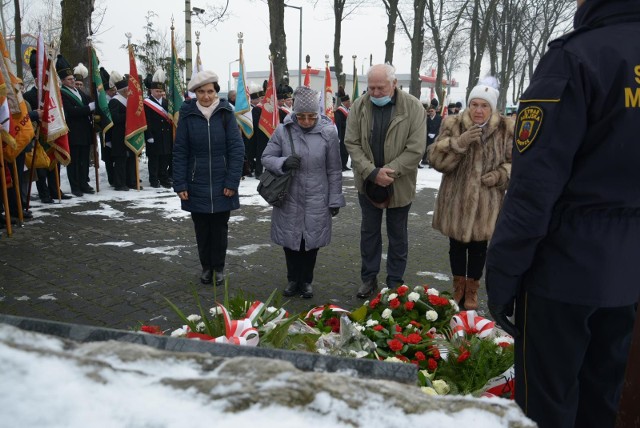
<point>274,188</point>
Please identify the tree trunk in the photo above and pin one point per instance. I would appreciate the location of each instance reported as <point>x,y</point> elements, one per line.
<point>18,39</point>
<point>76,20</point>
<point>417,47</point>
<point>338,10</point>
<point>392,13</point>
<point>278,45</point>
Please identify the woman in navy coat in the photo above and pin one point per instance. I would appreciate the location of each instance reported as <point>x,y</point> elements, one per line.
<point>207,165</point>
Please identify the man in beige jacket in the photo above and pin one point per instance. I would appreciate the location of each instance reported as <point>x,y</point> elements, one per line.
<point>385,138</point>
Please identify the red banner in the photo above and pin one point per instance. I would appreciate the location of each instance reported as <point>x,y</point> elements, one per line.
<point>269,118</point>
<point>136,120</point>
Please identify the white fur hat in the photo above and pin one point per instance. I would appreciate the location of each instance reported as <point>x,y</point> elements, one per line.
<point>116,80</point>
<point>80,71</point>
<point>486,90</point>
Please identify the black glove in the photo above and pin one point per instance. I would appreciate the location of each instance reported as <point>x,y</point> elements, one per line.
<point>292,162</point>
<point>334,211</point>
<point>500,314</point>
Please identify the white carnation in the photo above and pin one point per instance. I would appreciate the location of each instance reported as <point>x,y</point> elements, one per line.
<point>215,311</point>
<point>200,327</point>
<point>433,292</point>
<point>384,290</point>
<point>428,390</point>
<point>441,387</point>
<point>432,315</point>
<point>194,318</point>
<point>454,305</point>
<point>372,323</point>
<point>413,296</point>
<point>392,296</point>
<point>271,309</point>
<point>386,314</point>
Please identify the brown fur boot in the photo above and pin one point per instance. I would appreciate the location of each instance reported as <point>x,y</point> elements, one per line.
<point>459,284</point>
<point>471,294</point>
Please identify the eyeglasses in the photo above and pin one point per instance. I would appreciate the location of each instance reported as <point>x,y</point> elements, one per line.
<point>306,117</point>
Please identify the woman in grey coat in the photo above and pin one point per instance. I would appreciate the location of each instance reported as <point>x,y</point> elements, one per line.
<point>303,223</point>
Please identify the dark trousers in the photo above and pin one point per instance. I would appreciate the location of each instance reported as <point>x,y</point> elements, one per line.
<point>124,170</point>
<point>108,163</point>
<point>78,169</point>
<point>371,241</point>
<point>159,169</point>
<point>570,361</point>
<point>300,264</point>
<point>46,183</point>
<point>259,149</point>
<point>212,231</point>
<point>344,154</point>
<point>467,258</point>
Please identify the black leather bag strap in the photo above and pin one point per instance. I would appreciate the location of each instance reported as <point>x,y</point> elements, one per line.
<point>293,150</point>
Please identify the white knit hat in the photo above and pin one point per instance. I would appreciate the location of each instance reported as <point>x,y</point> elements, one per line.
<point>486,92</point>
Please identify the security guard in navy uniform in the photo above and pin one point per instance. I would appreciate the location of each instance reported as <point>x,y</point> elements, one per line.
<point>567,243</point>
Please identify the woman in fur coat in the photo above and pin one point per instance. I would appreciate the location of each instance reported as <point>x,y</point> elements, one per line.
<point>473,153</point>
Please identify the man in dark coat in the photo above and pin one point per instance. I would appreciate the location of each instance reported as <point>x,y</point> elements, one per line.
<point>566,245</point>
<point>122,157</point>
<point>159,133</point>
<point>340,116</point>
<point>433,127</point>
<point>78,110</point>
<point>259,139</point>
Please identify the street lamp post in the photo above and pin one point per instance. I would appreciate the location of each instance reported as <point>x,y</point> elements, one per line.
<point>230,76</point>
<point>300,44</point>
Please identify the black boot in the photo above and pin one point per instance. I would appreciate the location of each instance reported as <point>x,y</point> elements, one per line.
<point>306,291</point>
<point>291,290</point>
<point>207,276</point>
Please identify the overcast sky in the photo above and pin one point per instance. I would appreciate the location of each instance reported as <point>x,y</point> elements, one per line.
<point>363,33</point>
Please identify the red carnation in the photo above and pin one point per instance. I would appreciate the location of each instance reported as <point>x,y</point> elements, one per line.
<point>408,305</point>
<point>400,337</point>
<point>464,356</point>
<point>420,356</point>
<point>378,327</point>
<point>395,345</point>
<point>394,304</point>
<point>414,338</point>
<point>432,364</point>
<point>437,300</point>
<point>435,352</point>
<point>334,323</point>
<point>374,303</point>
<point>416,324</point>
<point>402,290</point>
<point>398,328</point>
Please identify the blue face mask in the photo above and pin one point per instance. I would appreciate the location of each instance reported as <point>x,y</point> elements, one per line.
<point>382,101</point>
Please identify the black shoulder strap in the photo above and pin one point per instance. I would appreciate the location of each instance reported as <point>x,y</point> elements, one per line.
<point>293,150</point>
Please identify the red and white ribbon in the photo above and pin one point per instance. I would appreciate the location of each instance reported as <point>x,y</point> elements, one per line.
<point>469,322</point>
<point>317,311</point>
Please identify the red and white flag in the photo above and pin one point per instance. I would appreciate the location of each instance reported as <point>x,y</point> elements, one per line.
<point>269,118</point>
<point>328,94</point>
<point>54,128</point>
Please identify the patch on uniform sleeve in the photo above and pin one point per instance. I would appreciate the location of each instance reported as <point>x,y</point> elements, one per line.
<point>528,124</point>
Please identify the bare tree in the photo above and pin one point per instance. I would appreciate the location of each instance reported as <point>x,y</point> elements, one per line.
<point>18,38</point>
<point>392,12</point>
<point>480,13</point>
<point>416,37</point>
<point>443,20</point>
<point>342,9</point>
<point>278,45</point>
<point>76,22</point>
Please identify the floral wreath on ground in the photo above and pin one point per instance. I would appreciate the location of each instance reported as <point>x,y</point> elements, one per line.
<point>454,352</point>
